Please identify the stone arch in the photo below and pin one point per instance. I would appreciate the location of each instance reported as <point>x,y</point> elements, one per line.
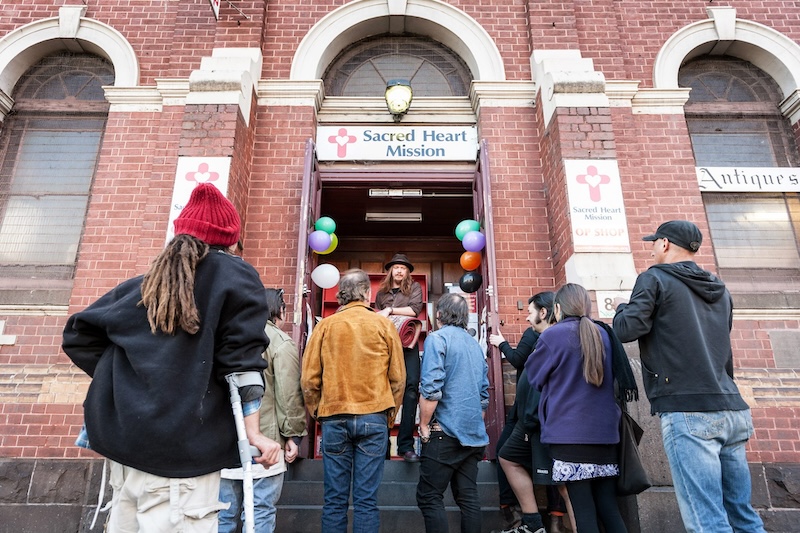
<point>724,34</point>
<point>25,46</point>
<point>357,20</point>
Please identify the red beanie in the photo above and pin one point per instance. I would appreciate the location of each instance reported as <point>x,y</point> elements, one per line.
<point>210,217</point>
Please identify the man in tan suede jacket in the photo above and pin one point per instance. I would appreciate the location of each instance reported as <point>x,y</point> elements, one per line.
<point>353,381</point>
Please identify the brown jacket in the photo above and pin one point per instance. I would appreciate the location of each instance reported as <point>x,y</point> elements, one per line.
<point>353,364</point>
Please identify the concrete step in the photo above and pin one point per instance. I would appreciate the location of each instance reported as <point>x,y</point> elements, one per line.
<point>300,506</point>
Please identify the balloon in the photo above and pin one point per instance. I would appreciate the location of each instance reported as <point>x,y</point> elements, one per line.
<point>319,240</point>
<point>465,226</point>
<point>325,224</point>
<point>474,241</point>
<point>332,247</point>
<point>470,282</point>
<point>325,276</point>
<point>470,260</point>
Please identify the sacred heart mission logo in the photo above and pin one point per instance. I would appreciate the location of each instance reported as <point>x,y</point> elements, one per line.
<point>202,174</point>
<point>341,140</point>
<point>593,179</point>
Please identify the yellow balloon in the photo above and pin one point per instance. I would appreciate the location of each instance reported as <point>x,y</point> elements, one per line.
<point>332,247</point>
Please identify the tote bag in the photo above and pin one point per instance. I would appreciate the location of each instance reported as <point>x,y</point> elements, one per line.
<point>632,476</point>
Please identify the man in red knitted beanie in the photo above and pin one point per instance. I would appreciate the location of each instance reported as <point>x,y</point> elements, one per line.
<point>158,348</point>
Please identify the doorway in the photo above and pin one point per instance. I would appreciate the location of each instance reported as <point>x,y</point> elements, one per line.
<point>380,213</point>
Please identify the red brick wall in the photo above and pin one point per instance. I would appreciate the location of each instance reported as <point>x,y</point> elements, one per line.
<point>521,234</point>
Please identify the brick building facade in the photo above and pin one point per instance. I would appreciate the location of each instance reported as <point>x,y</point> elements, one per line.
<point>557,93</point>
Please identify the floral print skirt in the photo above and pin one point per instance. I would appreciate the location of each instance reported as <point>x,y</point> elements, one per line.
<point>564,471</point>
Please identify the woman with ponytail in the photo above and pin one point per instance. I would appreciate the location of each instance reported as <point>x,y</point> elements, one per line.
<point>158,348</point>
<point>574,366</point>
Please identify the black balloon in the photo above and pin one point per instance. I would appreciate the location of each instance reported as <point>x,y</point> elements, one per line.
<point>470,282</point>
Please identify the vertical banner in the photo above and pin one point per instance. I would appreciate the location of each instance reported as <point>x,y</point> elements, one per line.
<point>190,172</point>
<point>215,8</point>
<point>596,208</point>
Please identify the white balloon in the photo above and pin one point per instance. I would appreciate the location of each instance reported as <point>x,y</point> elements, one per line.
<point>325,276</point>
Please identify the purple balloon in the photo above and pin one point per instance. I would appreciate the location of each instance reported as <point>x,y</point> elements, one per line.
<point>319,241</point>
<point>474,241</point>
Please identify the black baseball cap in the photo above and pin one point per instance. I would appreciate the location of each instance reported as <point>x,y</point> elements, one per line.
<point>681,232</point>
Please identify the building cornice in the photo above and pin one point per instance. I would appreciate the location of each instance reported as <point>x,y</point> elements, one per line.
<point>290,93</point>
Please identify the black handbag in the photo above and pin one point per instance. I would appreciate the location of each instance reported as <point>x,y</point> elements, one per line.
<point>632,476</point>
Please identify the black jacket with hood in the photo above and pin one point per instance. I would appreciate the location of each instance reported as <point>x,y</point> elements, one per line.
<point>682,316</point>
<point>159,403</point>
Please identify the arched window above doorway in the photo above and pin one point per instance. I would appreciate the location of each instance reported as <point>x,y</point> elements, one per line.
<point>735,121</point>
<point>364,68</point>
<point>48,154</point>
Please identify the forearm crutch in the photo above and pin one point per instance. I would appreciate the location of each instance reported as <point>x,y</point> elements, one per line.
<point>246,452</point>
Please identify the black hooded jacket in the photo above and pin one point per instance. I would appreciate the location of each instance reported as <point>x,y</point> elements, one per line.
<point>159,403</point>
<point>682,316</point>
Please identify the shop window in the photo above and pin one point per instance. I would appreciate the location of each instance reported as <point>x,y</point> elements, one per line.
<point>48,155</point>
<point>363,68</point>
<point>734,120</point>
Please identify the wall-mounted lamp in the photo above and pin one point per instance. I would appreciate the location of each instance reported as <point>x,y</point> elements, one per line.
<point>398,97</point>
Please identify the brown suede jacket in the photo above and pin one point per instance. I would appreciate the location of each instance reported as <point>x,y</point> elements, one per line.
<point>353,364</point>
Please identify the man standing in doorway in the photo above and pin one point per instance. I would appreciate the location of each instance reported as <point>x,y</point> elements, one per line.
<point>454,397</point>
<point>352,381</point>
<point>682,316</point>
<point>400,296</point>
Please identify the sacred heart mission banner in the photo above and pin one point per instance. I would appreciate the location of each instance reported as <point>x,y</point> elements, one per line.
<point>397,143</point>
<point>596,208</point>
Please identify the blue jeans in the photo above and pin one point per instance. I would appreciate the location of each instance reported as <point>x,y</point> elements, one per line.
<point>353,451</point>
<point>266,493</point>
<point>446,462</point>
<point>706,453</point>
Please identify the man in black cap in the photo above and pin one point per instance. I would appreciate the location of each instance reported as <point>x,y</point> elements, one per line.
<point>682,316</point>
<point>399,295</point>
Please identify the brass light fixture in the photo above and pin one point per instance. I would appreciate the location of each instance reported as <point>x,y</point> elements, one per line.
<point>398,97</point>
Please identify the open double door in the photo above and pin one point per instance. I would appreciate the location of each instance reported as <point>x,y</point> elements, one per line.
<point>380,213</point>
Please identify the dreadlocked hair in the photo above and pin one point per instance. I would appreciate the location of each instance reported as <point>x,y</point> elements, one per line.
<point>168,287</point>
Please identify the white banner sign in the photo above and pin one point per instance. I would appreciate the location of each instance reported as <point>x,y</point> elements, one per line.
<point>215,8</point>
<point>190,172</point>
<point>605,302</point>
<point>748,179</point>
<point>397,143</point>
<point>596,208</point>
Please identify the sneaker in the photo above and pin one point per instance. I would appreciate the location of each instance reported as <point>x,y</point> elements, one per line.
<point>525,529</point>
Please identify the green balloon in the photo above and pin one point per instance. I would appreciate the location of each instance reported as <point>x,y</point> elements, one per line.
<point>465,226</point>
<point>325,224</point>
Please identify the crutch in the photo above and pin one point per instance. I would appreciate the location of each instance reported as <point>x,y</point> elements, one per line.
<point>246,452</point>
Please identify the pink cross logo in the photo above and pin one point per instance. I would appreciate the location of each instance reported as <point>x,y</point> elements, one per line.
<point>202,174</point>
<point>341,141</point>
<point>593,180</point>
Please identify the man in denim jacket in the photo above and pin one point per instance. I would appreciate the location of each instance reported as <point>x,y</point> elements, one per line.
<point>454,395</point>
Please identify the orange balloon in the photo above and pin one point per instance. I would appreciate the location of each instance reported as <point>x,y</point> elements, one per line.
<point>470,260</point>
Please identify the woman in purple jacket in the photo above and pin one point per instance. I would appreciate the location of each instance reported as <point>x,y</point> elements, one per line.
<point>572,366</point>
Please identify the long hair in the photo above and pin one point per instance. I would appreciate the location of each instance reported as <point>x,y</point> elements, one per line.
<point>354,286</point>
<point>575,302</point>
<point>168,287</point>
<point>386,283</point>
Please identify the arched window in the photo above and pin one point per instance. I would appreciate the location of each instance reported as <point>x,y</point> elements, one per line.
<point>48,154</point>
<point>364,68</point>
<point>734,121</point>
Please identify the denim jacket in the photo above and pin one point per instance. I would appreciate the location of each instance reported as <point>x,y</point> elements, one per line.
<point>455,373</point>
